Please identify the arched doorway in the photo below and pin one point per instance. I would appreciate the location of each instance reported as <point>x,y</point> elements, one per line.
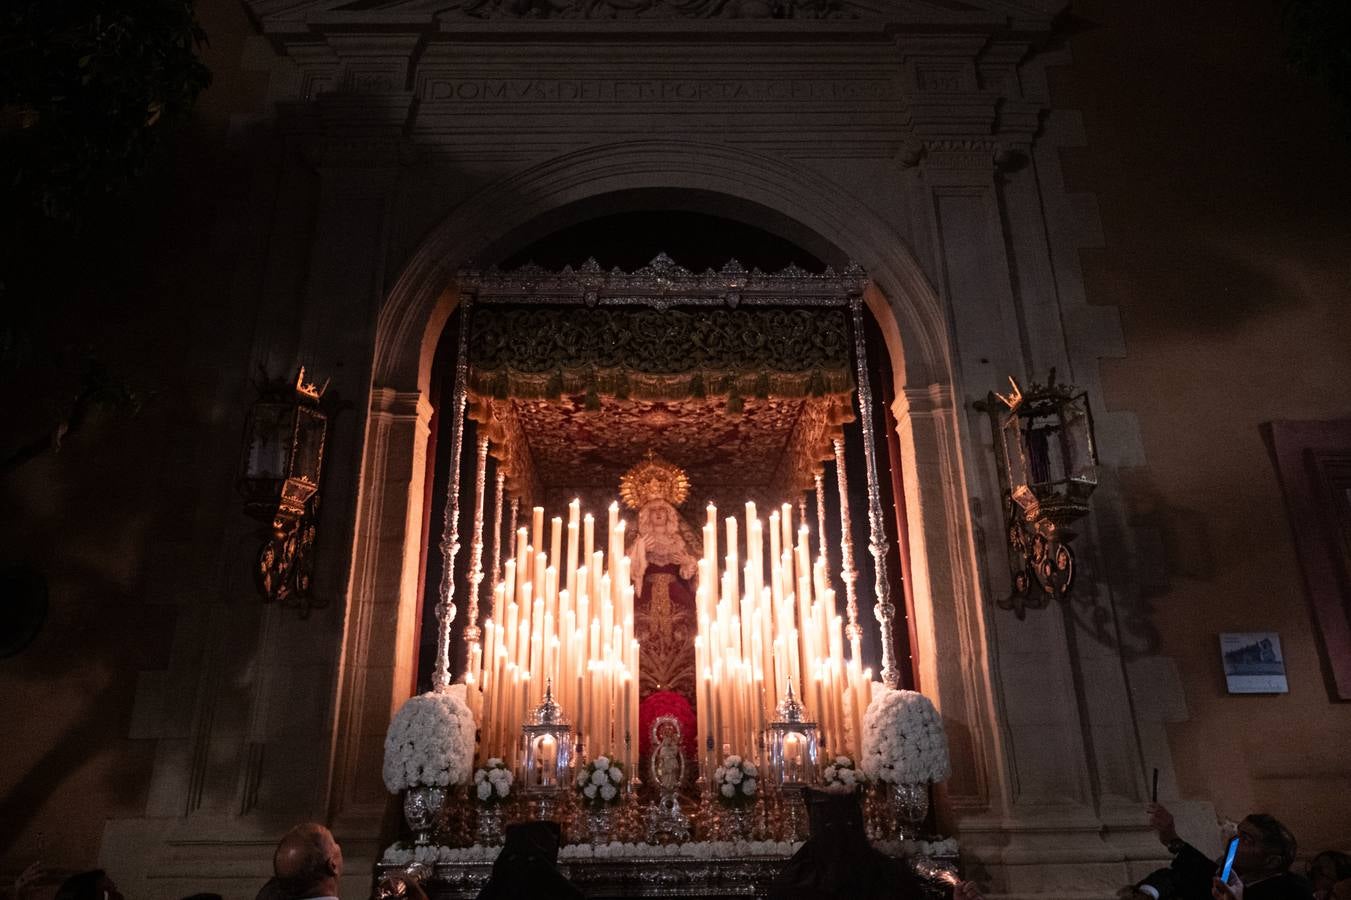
<point>949,636</point>
<point>698,241</point>
<point>556,421</point>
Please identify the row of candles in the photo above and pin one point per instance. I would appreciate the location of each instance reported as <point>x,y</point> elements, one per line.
<point>757,638</point>
<point>575,635</point>
<point>754,638</point>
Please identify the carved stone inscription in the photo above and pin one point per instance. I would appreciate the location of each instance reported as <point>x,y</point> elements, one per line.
<point>675,90</point>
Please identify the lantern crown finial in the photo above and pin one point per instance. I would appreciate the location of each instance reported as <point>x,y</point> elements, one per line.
<point>548,712</point>
<point>309,389</point>
<point>790,710</point>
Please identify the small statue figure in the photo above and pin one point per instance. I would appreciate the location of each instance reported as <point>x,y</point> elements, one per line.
<point>668,763</point>
<point>668,774</point>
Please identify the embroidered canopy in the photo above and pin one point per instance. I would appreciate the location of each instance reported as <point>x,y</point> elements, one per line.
<point>743,379</point>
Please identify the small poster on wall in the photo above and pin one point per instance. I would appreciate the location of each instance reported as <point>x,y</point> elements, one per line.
<point>1253,663</point>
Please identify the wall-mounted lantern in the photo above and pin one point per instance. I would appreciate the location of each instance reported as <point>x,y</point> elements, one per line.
<point>1048,468</point>
<point>280,474</point>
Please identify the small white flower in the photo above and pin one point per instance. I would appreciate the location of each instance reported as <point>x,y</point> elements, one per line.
<point>719,773</point>
<point>733,760</point>
<point>503,788</point>
<point>485,790</point>
<point>844,761</point>
<point>734,776</point>
<point>728,790</point>
<point>616,775</point>
<point>608,792</point>
<point>479,776</point>
<point>590,791</point>
<point>750,770</point>
<point>749,787</point>
<point>581,779</point>
<point>598,777</point>
<point>829,773</point>
<point>602,762</point>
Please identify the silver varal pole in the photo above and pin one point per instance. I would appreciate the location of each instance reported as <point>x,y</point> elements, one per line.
<point>497,532</point>
<point>471,629</point>
<point>821,515</point>
<point>885,610</point>
<point>450,530</point>
<point>511,529</point>
<point>848,574</point>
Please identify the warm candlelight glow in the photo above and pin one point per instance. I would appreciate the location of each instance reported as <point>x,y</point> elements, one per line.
<point>765,617</point>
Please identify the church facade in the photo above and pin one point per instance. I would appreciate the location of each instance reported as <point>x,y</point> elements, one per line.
<point>407,141</point>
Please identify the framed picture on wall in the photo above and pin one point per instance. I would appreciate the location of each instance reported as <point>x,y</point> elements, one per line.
<point>1253,663</point>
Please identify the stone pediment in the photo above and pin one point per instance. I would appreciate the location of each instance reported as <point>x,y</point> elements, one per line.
<point>310,15</point>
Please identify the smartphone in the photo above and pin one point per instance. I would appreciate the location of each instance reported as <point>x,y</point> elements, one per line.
<point>1229,860</point>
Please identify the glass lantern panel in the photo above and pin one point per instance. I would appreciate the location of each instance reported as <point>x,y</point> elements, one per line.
<point>796,757</point>
<point>309,449</point>
<point>269,441</point>
<point>546,760</point>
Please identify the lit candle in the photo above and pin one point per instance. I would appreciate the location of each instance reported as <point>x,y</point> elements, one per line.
<point>537,527</point>
<point>555,542</point>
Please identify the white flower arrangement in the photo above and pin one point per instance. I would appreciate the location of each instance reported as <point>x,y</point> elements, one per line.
<point>492,783</point>
<point>943,848</point>
<point>401,854</point>
<point>903,739</point>
<point>430,742</point>
<point>598,783</point>
<point>842,775</point>
<point>735,782</point>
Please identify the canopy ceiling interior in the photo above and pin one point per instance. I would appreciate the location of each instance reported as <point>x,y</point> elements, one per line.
<point>740,377</point>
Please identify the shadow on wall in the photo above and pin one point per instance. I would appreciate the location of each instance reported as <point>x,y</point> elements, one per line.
<point>79,653</point>
<point>80,667</point>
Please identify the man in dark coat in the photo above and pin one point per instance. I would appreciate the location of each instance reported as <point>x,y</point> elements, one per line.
<point>1266,850</point>
<point>838,863</point>
<point>528,865</point>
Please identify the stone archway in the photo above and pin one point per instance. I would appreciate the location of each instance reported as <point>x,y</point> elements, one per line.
<point>378,650</point>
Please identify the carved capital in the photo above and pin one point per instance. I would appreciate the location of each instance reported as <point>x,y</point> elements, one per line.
<point>962,154</point>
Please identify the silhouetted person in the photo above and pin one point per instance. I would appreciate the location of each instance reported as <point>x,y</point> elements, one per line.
<point>1266,850</point>
<point>1326,870</point>
<point>92,885</point>
<point>528,865</point>
<point>271,890</point>
<point>308,863</point>
<point>838,863</point>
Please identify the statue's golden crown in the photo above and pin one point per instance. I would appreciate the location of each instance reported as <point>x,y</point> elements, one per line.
<point>653,478</point>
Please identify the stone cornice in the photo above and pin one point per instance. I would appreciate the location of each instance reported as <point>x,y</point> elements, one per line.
<point>295,17</point>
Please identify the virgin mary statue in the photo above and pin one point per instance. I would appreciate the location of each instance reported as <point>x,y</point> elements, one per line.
<point>664,560</point>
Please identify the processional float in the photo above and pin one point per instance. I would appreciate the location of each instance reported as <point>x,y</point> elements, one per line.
<point>551,661</point>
